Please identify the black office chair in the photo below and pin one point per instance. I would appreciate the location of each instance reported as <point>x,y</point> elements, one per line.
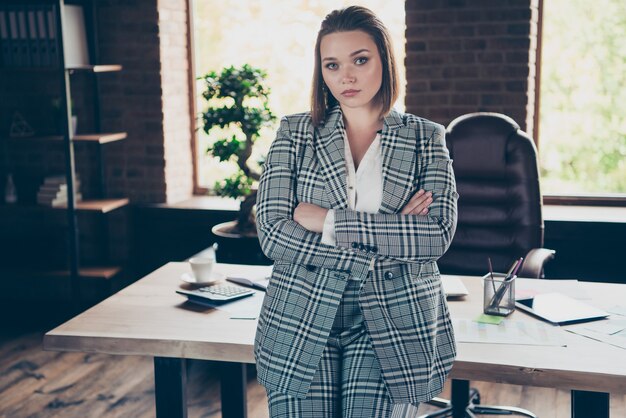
<point>499,207</point>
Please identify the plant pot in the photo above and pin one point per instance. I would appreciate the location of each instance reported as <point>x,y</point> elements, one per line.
<point>235,248</point>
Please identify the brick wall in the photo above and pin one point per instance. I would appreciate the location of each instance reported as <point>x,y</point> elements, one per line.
<point>175,85</point>
<point>148,99</point>
<point>466,56</point>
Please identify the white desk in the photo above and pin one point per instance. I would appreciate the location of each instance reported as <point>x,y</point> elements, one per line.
<point>149,318</point>
<point>583,366</point>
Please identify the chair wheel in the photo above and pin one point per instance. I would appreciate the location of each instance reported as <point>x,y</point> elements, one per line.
<point>476,399</point>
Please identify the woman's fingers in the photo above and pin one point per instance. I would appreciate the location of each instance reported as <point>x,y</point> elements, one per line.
<point>422,208</point>
<point>414,201</point>
<point>418,205</point>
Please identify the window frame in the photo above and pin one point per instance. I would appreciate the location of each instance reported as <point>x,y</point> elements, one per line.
<point>193,114</point>
<point>551,199</point>
<point>582,199</point>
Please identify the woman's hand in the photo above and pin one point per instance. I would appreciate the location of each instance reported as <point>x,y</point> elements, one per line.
<point>418,205</point>
<point>310,216</point>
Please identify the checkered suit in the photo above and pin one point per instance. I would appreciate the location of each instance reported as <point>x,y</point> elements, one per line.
<point>402,300</point>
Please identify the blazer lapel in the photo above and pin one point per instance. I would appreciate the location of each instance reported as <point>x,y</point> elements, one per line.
<point>398,161</point>
<point>330,149</point>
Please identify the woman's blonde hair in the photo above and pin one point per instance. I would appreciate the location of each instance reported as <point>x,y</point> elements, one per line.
<point>345,20</point>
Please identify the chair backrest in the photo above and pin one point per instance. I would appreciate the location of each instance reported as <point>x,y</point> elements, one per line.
<point>499,207</point>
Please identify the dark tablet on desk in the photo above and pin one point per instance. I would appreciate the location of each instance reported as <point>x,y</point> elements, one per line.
<point>560,309</point>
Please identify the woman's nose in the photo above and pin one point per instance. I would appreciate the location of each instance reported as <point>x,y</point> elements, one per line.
<point>347,78</point>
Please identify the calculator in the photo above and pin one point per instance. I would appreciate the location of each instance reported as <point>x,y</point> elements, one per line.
<point>218,293</point>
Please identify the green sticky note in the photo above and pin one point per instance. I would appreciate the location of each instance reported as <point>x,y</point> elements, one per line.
<point>489,319</point>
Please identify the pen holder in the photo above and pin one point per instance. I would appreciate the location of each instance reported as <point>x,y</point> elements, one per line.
<point>498,294</point>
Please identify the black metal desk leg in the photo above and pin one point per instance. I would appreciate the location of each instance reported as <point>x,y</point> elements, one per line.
<point>590,404</point>
<point>460,397</point>
<point>170,387</point>
<point>233,378</point>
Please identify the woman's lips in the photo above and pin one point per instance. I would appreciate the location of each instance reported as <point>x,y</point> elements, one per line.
<point>350,93</point>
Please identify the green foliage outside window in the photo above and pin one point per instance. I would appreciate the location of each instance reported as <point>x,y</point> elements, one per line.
<point>583,97</point>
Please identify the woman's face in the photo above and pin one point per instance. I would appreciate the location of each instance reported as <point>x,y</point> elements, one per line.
<point>351,68</point>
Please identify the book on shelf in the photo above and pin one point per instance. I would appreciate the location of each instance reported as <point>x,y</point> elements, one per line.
<point>59,200</point>
<point>22,32</point>
<point>53,191</point>
<point>43,41</point>
<point>13,37</point>
<point>51,194</point>
<point>29,38</point>
<point>33,36</point>
<point>5,51</point>
<point>58,180</point>
<point>53,50</point>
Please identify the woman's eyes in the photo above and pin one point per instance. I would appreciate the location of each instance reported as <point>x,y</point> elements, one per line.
<point>358,61</point>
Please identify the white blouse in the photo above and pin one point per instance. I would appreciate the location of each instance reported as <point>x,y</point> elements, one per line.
<point>365,186</point>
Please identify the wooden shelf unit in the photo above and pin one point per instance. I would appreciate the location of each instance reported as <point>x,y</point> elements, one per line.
<point>54,70</point>
<point>101,205</point>
<point>89,205</point>
<point>100,138</point>
<point>99,272</point>
<point>96,68</point>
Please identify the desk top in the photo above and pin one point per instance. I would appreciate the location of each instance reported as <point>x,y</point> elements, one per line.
<point>149,318</point>
<point>585,364</point>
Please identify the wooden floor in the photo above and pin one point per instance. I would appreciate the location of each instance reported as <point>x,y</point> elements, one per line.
<point>34,383</point>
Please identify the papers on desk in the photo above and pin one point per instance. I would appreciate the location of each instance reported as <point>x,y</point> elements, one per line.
<point>246,308</point>
<point>249,308</point>
<point>508,332</point>
<point>611,331</point>
<point>618,310</point>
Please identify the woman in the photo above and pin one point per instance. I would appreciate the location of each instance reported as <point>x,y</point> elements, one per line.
<point>355,205</point>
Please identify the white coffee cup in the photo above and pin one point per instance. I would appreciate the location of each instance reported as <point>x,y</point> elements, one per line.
<point>202,267</point>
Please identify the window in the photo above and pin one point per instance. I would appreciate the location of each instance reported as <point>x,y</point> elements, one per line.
<point>279,37</point>
<point>582,118</point>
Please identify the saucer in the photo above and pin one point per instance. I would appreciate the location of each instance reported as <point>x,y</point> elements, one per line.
<point>189,278</point>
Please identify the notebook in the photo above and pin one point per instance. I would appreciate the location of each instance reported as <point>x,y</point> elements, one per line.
<point>560,309</point>
<point>453,286</point>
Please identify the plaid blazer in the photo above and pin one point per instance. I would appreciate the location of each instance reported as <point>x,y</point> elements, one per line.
<point>402,300</point>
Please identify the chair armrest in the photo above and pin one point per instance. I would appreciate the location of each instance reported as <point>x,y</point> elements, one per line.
<point>535,261</point>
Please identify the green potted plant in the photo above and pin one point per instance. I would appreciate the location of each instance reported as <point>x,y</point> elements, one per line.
<point>237,97</point>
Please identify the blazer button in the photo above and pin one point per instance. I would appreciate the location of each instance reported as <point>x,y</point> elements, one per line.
<point>355,245</point>
<point>361,247</point>
<point>310,267</point>
<point>388,275</point>
<point>374,249</point>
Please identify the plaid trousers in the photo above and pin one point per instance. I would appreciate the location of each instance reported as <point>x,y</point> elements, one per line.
<point>348,382</point>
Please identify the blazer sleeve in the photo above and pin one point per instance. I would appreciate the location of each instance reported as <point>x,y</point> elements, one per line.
<point>409,238</point>
<point>281,238</point>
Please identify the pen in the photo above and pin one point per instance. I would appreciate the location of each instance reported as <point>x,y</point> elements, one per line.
<point>499,294</point>
<point>247,283</point>
<point>508,274</point>
<point>491,274</point>
<point>519,264</point>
